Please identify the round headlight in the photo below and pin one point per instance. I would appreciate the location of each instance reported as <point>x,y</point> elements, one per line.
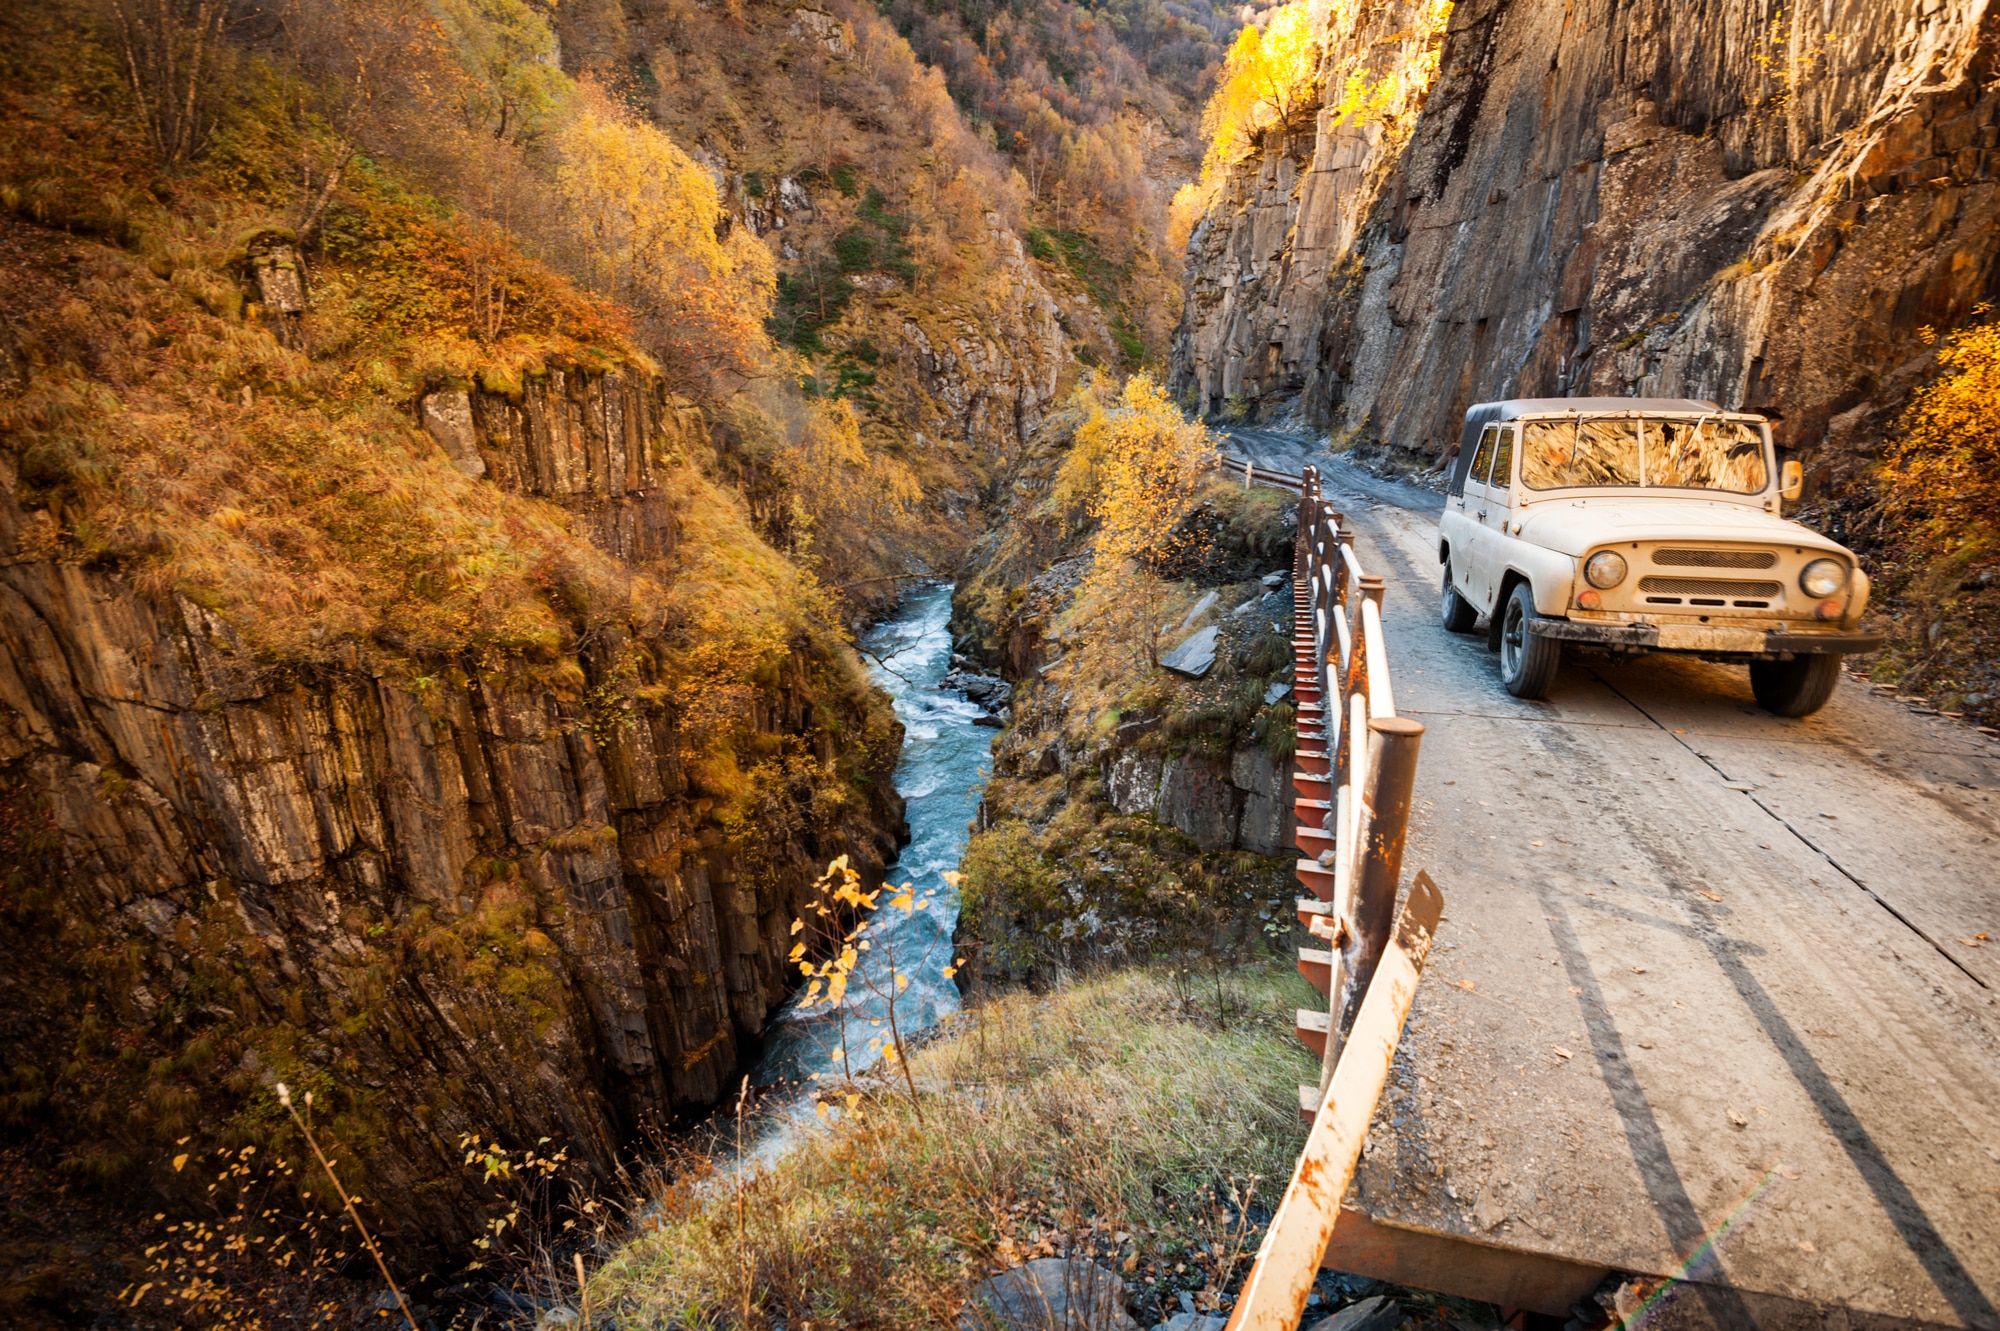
<point>1605,569</point>
<point>1823,577</point>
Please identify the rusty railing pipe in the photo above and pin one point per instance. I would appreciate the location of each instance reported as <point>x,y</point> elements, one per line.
<point>1385,822</point>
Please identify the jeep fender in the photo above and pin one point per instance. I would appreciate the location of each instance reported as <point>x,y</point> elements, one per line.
<point>1550,575</point>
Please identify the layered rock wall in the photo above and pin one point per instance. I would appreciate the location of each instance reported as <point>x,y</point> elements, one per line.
<point>464,896</point>
<point>1723,200</point>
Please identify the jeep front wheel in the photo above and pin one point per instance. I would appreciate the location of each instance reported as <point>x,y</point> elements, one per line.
<point>1798,687</point>
<point>1527,663</point>
<point>1454,611</point>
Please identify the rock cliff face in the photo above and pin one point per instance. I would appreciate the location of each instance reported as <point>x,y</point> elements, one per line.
<point>482,896</point>
<point>1717,200</point>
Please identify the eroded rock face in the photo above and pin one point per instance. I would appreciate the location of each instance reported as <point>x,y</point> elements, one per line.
<point>453,898</point>
<point>1657,198</point>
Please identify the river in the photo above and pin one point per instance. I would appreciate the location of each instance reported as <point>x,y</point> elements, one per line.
<point>943,765</point>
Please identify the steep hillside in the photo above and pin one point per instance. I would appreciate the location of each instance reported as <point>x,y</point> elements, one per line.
<point>395,700</point>
<point>1771,208</point>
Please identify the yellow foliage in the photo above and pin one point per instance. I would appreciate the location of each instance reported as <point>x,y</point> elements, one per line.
<point>1944,456</point>
<point>1271,78</point>
<point>1268,78</point>
<point>649,218</point>
<point>1139,468</point>
<point>1149,463</point>
<point>1189,203</point>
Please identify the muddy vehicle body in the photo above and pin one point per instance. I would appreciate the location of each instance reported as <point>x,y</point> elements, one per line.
<point>1637,525</point>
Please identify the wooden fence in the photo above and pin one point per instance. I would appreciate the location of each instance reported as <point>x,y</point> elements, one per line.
<point>1353,772</point>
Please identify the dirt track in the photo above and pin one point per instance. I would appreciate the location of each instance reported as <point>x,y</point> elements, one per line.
<point>1691,946</point>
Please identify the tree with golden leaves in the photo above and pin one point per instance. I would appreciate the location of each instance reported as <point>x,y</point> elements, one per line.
<point>1150,463</point>
<point>652,236</point>
<point>1944,457</point>
<point>1270,77</point>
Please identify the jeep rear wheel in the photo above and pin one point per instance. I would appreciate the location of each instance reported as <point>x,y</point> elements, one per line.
<point>1454,611</point>
<point>1527,663</point>
<point>1798,687</point>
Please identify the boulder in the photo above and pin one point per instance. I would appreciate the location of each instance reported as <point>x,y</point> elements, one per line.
<point>1197,797</point>
<point>1201,607</point>
<point>1133,782</point>
<point>1194,1322</point>
<point>1194,656</point>
<point>448,419</point>
<point>1049,1294</point>
<point>1266,826</point>
<point>1376,1313</point>
<point>1255,772</point>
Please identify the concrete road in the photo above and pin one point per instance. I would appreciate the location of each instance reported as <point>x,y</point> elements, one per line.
<point>1711,984</point>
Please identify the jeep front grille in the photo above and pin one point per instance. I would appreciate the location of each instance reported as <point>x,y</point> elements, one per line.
<point>1709,587</point>
<point>1715,559</point>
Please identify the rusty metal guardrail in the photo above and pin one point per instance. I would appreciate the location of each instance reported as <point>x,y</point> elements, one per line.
<point>1354,770</point>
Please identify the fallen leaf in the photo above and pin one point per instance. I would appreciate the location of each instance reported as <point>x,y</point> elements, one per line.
<point>1970,942</point>
<point>1704,892</point>
<point>1563,1053</point>
<point>1638,970</point>
<point>1467,984</point>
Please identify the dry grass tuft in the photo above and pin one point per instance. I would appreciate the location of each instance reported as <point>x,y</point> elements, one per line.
<point>1093,1120</point>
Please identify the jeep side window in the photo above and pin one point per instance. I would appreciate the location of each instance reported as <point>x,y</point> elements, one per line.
<point>1503,462</point>
<point>1482,461</point>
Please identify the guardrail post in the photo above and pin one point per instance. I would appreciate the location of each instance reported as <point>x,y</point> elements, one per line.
<point>1392,776</point>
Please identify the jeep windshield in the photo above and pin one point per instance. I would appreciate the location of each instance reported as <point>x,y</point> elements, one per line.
<point>1653,452</point>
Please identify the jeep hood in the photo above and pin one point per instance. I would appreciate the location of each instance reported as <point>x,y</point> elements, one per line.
<point>1575,526</point>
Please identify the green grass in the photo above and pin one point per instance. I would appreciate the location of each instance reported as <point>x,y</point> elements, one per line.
<point>1114,1116</point>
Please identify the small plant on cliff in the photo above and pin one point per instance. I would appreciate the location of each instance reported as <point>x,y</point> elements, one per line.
<point>260,1252</point>
<point>838,897</point>
<point>1943,460</point>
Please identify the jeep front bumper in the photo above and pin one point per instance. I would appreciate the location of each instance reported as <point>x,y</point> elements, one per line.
<point>1705,639</point>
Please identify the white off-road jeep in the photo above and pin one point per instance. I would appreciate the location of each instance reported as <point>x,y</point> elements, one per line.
<point>1631,525</point>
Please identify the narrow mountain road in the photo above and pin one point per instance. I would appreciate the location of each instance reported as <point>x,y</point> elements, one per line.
<point>1694,953</point>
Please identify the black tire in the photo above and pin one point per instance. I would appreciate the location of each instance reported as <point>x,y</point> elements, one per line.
<point>1454,611</point>
<point>1798,687</point>
<point>1528,663</point>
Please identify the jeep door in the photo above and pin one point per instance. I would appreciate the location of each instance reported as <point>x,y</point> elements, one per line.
<point>1461,524</point>
<point>1490,551</point>
<point>1486,495</point>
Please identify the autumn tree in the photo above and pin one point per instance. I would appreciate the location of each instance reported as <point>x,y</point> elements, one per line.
<point>512,83</point>
<point>1270,77</point>
<point>1149,463</point>
<point>170,50</point>
<point>1944,455</point>
<point>649,232</point>
<point>1141,466</point>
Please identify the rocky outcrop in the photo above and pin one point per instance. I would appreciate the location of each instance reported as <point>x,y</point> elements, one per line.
<point>978,372</point>
<point>1704,200</point>
<point>1218,802</point>
<point>485,895</point>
